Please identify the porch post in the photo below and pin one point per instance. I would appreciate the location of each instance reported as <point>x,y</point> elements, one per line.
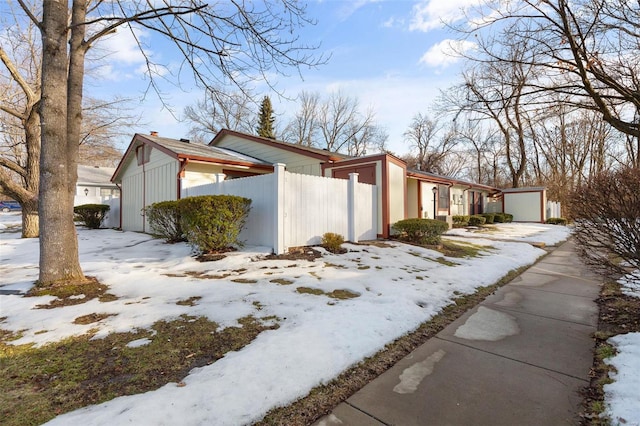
<point>279,197</point>
<point>352,208</point>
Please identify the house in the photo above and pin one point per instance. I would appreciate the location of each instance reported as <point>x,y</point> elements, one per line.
<point>155,168</point>
<point>94,185</point>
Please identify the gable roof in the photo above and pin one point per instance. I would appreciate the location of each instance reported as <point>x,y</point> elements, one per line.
<point>94,175</point>
<point>432,177</point>
<point>322,154</point>
<point>184,150</point>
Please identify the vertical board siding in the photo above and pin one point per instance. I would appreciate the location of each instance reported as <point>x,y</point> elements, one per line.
<point>258,229</point>
<point>313,205</point>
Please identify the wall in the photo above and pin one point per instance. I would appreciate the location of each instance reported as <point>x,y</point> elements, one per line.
<point>143,185</point>
<point>413,209</point>
<point>525,206</point>
<point>290,209</point>
<point>295,162</point>
<point>397,181</point>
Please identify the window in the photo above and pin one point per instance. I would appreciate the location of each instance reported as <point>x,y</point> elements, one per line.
<point>143,153</point>
<point>443,197</point>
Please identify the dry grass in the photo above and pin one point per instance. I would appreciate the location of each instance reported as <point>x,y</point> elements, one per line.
<point>40,383</point>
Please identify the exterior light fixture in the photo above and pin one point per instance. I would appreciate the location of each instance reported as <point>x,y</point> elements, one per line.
<point>435,192</point>
<point>86,192</point>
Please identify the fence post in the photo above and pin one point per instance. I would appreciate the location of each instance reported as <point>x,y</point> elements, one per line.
<point>352,208</point>
<point>278,226</point>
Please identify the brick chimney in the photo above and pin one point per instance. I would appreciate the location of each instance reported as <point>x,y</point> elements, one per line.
<point>153,133</point>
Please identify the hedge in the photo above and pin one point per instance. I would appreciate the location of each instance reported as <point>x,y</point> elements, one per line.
<point>556,221</point>
<point>489,217</point>
<point>91,215</point>
<point>164,220</point>
<point>477,220</point>
<point>421,231</point>
<point>212,223</point>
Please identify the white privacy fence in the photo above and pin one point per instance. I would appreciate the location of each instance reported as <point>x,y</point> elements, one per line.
<point>289,209</point>
<point>554,209</point>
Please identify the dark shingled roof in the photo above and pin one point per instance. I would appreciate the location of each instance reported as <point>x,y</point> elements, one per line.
<point>186,149</point>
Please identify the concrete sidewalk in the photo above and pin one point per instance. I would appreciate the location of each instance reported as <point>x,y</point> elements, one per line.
<point>519,358</point>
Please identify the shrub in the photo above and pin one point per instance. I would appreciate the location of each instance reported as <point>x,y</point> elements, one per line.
<point>498,218</point>
<point>164,220</point>
<point>460,219</point>
<point>476,220</point>
<point>91,215</point>
<point>212,223</point>
<point>421,231</point>
<point>489,217</point>
<point>332,242</point>
<point>508,218</point>
<point>606,212</point>
<point>556,221</point>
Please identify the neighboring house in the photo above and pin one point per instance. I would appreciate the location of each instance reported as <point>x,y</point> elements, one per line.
<point>155,169</point>
<point>94,185</point>
<point>526,204</point>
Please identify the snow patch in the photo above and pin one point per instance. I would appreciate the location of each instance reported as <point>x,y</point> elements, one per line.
<point>487,324</point>
<point>411,377</point>
<point>139,342</point>
<point>622,397</point>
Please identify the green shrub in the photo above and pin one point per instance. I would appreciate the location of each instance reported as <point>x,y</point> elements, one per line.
<point>508,218</point>
<point>164,220</point>
<point>499,218</point>
<point>460,219</point>
<point>212,223</point>
<point>489,217</point>
<point>91,215</point>
<point>477,220</point>
<point>556,221</point>
<point>332,242</point>
<point>421,231</point>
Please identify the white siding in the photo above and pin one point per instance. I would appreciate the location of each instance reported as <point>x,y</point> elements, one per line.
<point>143,185</point>
<point>397,181</point>
<point>458,201</point>
<point>524,206</point>
<point>295,162</point>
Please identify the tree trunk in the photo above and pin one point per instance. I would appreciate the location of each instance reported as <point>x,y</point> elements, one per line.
<point>59,261</point>
<point>30,219</point>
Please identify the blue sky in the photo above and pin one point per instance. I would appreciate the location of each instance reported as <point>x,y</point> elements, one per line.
<point>388,54</point>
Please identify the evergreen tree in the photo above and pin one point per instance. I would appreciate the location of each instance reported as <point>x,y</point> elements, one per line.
<point>266,119</point>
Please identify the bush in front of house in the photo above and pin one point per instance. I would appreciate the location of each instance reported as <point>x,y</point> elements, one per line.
<point>164,220</point>
<point>212,223</point>
<point>460,221</point>
<point>332,242</point>
<point>477,220</point>
<point>508,217</point>
<point>91,215</point>
<point>556,221</point>
<point>489,218</point>
<point>498,218</point>
<point>421,231</point>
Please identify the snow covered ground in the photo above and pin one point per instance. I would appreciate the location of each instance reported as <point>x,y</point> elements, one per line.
<point>399,287</point>
<point>622,397</point>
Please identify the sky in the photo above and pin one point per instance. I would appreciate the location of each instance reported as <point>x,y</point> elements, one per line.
<point>390,55</point>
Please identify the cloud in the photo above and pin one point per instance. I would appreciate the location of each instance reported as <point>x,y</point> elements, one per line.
<point>350,7</point>
<point>446,52</point>
<point>118,55</point>
<point>432,14</point>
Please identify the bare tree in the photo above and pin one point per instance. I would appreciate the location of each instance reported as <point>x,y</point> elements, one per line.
<point>103,121</point>
<point>220,43</point>
<point>303,128</point>
<point>221,110</point>
<point>585,50</point>
<point>342,127</point>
